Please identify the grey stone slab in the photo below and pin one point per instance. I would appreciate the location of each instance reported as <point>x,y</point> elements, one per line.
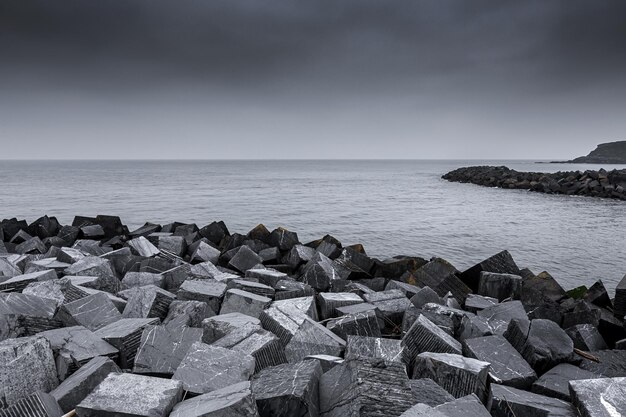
<point>119,302</point>
<point>289,288</point>
<point>507,401</point>
<point>505,312</point>
<point>244,259</point>
<point>78,385</point>
<point>358,347</point>
<point>38,404</point>
<point>475,302</point>
<point>125,335</point>
<point>313,338</point>
<point>96,267</point>
<point>162,348</point>
<point>288,390</point>
<point>409,290</point>
<point>425,336</point>
<point>208,290</point>
<point>131,395</point>
<point>330,301</point>
<point>253,340</point>
<point>283,318</point>
<point>253,287</point>
<point>142,247</point>
<point>424,296</point>
<point>238,301</point>
<point>216,327</point>
<point>427,391</point>
<point>206,368</point>
<point>138,279</point>
<point>26,365</point>
<point>205,253</point>
<point>75,346</point>
<point>541,342</point>
<point>474,326</point>
<point>460,376</point>
<point>93,312</point>
<point>604,397</point>
<point>188,313</point>
<point>26,315</point>
<point>147,302</point>
<point>19,282</point>
<point>60,290</point>
<point>298,255</point>
<point>319,272</point>
<point>555,382</point>
<point>268,277</point>
<point>468,406</point>
<point>357,324</point>
<point>586,337</point>
<point>70,255</point>
<point>357,387</point>
<point>455,314</point>
<point>508,367</point>
<point>392,304</point>
<point>610,363</point>
<point>499,286</point>
<point>232,401</point>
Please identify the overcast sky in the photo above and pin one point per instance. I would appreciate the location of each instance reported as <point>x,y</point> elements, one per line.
<point>311,79</point>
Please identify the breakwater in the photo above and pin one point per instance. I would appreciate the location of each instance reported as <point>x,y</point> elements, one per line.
<point>601,183</point>
<point>194,320</point>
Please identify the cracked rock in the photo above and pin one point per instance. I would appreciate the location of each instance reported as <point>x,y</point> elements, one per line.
<point>93,312</point>
<point>425,336</point>
<point>358,347</point>
<point>357,324</point>
<point>507,401</point>
<point>232,401</point>
<point>312,338</point>
<point>604,397</point>
<point>162,348</point>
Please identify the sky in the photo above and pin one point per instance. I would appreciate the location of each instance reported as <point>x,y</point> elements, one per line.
<point>444,79</point>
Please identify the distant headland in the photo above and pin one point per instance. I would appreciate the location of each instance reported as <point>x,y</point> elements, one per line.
<point>605,153</point>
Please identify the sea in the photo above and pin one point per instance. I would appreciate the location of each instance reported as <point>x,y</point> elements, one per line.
<point>392,207</point>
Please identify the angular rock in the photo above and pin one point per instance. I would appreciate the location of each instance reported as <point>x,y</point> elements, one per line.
<point>25,315</point>
<point>499,286</point>
<point>175,245</point>
<point>365,387</point>
<point>392,304</point>
<point>75,346</point>
<point>507,365</point>
<point>424,296</point>
<point>598,295</point>
<point>215,232</point>
<point>70,255</point>
<point>93,312</point>
<point>96,267</point>
<point>125,335</point>
<point>502,263</point>
<point>555,382</point>
<point>270,256</point>
<point>286,289</point>
<point>162,348</point>
<point>284,317</point>
<point>610,363</point>
<point>546,285</point>
<point>232,401</point>
<point>604,397</point>
<point>541,342</point>
<point>142,247</point>
<point>26,366</point>
<point>268,277</point>
<point>38,404</point>
<point>468,406</point>
<point>506,312</point>
<point>357,324</point>
<point>288,390</point>
<point>327,361</point>
<point>60,290</point>
<point>19,282</point>
<point>283,239</point>
<point>580,312</point>
<point>207,290</point>
<point>45,264</point>
<point>7,269</point>
<point>31,246</point>
<point>458,375</point>
<point>264,346</point>
<point>216,327</point>
<point>475,303</point>
<point>251,286</point>
<point>139,279</point>
<point>611,328</point>
<point>319,272</point>
<point>358,347</point>
<point>299,255</point>
<point>425,336</point>
<point>312,338</point>
<point>206,368</point>
<point>428,392</point>
<point>133,396</point>
<point>147,302</point>
<point>238,301</point>
<point>244,259</point>
<point>408,289</point>
<point>77,386</point>
<point>204,252</point>
<point>586,337</point>
<point>329,301</point>
<point>188,313</point>
<point>507,401</point>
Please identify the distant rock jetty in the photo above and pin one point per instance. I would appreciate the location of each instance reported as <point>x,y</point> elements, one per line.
<point>611,184</point>
<point>605,153</point>
<point>183,320</point>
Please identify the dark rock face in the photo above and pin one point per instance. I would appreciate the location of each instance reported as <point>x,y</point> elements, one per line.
<point>501,263</point>
<point>600,183</point>
<point>232,401</point>
<point>506,401</point>
<point>162,348</point>
<point>38,404</point>
<point>555,382</point>
<point>605,153</point>
<point>359,347</point>
<point>428,392</point>
<point>599,397</point>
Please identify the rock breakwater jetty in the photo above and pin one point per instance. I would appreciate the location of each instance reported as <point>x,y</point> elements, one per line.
<point>189,320</point>
<point>601,183</point>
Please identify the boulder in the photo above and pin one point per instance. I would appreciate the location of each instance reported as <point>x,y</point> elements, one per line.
<point>507,365</point>
<point>251,287</point>
<point>428,392</point>
<point>475,303</point>
<point>162,348</point>
<point>586,337</point>
<point>133,396</point>
<point>206,368</point>
<point>424,296</point>
<point>425,336</point>
<point>299,255</point>
<point>264,346</point>
<point>38,404</point>
<point>147,302</point>
<point>459,376</point>
<point>604,397</point>
<point>244,259</point>
<point>392,304</point>
<point>142,247</point>
<point>319,272</point>
<point>507,401</point>
<point>313,338</point>
<point>327,361</point>
<point>499,286</point>
<point>82,382</point>
<point>468,406</point>
<point>25,315</point>
<point>26,366</point>
<point>96,267</point>
<point>17,283</point>
<point>329,301</point>
<point>364,323</point>
<point>238,301</point>
<point>139,279</point>
<point>209,291</point>
<point>502,263</point>
<point>541,342</point>
<point>232,401</point>
<point>598,295</point>
<point>288,390</point>
<point>554,383</point>
<point>60,290</point>
<point>358,347</point>
<point>620,299</point>
<point>125,335</point>
<point>188,313</point>
<point>216,327</point>
<point>607,363</point>
<point>283,239</point>
<point>93,312</point>
<point>267,277</point>
<point>287,288</point>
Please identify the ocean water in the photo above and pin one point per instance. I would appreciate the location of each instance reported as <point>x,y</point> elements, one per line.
<point>391,207</point>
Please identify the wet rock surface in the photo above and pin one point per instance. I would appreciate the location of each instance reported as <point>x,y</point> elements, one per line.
<point>110,322</point>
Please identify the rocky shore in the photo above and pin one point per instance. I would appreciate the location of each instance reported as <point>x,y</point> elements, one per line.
<point>605,153</point>
<point>189,320</point>
<point>602,183</point>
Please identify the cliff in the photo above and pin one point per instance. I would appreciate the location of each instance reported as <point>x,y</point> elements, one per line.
<point>605,153</point>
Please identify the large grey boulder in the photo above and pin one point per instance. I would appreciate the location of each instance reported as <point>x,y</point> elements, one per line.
<point>162,348</point>
<point>288,390</point>
<point>607,363</point>
<point>319,272</point>
<point>100,268</point>
<point>264,346</point>
<point>142,247</point>
<point>507,401</point>
<point>206,368</point>
<point>216,327</point>
<point>586,337</point>
<point>284,317</point>
<point>24,315</point>
<point>19,282</point>
<point>209,291</point>
<point>392,304</point>
<point>313,338</point>
<point>358,347</point>
<point>555,382</point>
<point>330,301</point>
<point>131,395</point>
<point>428,392</point>
<point>38,404</point>
<point>239,301</point>
<point>125,335</point>
<point>499,286</point>
<point>93,312</point>
<point>426,336</point>
<point>60,290</point>
<point>502,263</point>
<point>188,313</point>
<point>148,301</point>
<point>604,397</point>
<point>232,401</point>
<point>358,324</point>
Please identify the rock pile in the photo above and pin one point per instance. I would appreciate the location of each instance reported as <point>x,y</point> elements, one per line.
<point>187,321</point>
<point>602,183</point>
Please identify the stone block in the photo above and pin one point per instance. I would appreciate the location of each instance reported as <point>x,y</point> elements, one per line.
<point>238,301</point>
<point>409,290</point>
<point>142,247</point>
<point>425,336</point>
<point>216,327</point>
<point>329,301</point>
<point>507,401</point>
<point>475,303</point>
<point>555,382</point>
<point>326,361</point>
<point>357,324</point>
<point>586,337</point>
<point>19,282</point>
<point>26,315</point>
<point>319,272</point>
<point>283,239</point>
<point>162,348</point>
<point>147,302</point>
<point>206,368</point>
<point>38,404</point>
<point>609,364</point>
<point>468,406</point>
<point>267,277</point>
<point>299,255</point>
<point>232,401</point>
<point>125,335</point>
<point>287,288</point>
<point>209,291</point>
<point>428,392</point>
<point>604,397</point>
<point>313,338</point>
<point>244,259</point>
<point>288,390</point>
<point>598,295</point>
<point>358,347</point>
<point>251,287</point>
<point>264,346</point>
<point>96,267</point>
<point>424,296</point>
<point>131,395</point>
<point>139,279</point>
<point>392,304</point>
<point>60,290</point>
<point>188,313</point>
<point>502,263</point>
<point>93,312</point>
<point>499,286</point>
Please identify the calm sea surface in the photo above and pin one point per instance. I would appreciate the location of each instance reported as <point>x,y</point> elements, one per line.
<point>392,207</point>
